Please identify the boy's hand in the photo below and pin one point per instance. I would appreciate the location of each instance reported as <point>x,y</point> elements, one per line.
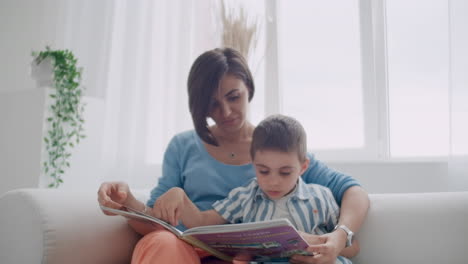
<point>312,239</point>
<point>325,249</point>
<point>170,205</point>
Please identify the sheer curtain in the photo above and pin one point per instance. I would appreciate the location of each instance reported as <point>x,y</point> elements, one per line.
<point>136,56</point>
<point>152,46</point>
<point>458,160</point>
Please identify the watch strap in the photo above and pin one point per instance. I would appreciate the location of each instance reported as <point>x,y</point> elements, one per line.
<point>349,234</point>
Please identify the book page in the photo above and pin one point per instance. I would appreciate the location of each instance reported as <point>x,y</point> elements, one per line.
<point>238,227</point>
<point>131,213</point>
<point>274,240</point>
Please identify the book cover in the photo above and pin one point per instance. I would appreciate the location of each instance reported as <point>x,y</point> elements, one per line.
<point>273,240</point>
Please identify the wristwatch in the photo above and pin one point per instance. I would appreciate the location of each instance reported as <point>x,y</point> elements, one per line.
<point>349,234</point>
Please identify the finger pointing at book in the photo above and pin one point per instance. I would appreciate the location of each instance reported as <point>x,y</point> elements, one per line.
<point>169,206</point>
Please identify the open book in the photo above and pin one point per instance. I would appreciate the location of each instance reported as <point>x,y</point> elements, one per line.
<point>273,240</point>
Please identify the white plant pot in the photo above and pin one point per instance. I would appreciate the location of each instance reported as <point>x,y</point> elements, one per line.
<point>42,72</point>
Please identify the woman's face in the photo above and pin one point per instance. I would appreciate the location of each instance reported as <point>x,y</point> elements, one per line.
<point>228,107</point>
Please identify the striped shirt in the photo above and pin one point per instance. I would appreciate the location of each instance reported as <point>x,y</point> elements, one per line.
<point>312,208</point>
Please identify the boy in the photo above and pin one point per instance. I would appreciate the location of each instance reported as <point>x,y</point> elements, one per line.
<point>279,155</point>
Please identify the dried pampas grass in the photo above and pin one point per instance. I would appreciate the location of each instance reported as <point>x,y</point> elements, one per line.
<point>239,31</point>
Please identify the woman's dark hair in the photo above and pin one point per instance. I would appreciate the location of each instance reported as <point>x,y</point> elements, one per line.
<point>203,81</point>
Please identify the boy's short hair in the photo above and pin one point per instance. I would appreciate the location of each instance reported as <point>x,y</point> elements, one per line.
<point>281,133</point>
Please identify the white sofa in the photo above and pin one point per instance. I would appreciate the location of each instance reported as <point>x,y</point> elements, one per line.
<point>53,226</point>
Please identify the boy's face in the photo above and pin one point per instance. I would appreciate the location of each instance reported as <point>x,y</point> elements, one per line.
<point>277,172</point>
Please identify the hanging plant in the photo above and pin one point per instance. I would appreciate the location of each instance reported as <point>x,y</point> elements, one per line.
<point>65,119</point>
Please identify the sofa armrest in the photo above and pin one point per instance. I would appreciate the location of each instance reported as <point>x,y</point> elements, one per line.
<point>415,228</point>
<point>55,226</point>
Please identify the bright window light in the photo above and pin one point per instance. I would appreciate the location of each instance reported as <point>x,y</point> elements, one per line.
<point>418,75</point>
<point>320,71</point>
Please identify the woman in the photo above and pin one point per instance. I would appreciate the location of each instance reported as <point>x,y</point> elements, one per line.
<point>211,160</point>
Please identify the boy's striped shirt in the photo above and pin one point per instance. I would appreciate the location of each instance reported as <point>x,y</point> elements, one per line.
<point>312,207</point>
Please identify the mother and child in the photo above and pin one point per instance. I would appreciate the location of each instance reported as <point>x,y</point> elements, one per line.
<point>233,172</point>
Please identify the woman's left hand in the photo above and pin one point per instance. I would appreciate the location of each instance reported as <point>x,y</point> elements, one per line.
<point>325,248</point>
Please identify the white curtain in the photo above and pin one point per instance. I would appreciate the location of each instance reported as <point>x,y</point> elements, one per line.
<point>136,56</point>
<point>458,160</point>
<point>152,46</point>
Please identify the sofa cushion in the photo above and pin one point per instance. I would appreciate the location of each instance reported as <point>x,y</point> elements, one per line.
<point>54,226</point>
<point>415,228</point>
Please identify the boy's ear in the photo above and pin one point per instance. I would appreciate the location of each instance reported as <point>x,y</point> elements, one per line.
<point>305,165</point>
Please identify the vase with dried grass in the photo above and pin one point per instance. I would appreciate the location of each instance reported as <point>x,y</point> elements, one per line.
<point>239,29</point>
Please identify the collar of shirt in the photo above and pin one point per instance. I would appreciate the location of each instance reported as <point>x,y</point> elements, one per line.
<point>300,191</point>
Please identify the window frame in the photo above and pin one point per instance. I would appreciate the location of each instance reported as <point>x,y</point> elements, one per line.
<point>374,146</point>
<point>372,16</point>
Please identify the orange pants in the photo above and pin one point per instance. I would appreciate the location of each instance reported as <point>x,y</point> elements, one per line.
<point>162,246</point>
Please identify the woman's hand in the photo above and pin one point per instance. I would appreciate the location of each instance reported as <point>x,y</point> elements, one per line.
<point>170,205</point>
<point>114,195</point>
<point>325,248</point>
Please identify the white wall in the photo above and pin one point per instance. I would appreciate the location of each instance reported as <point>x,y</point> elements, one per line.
<point>30,25</point>
<point>21,113</point>
<point>24,26</point>
<point>458,164</point>
<point>397,177</point>
<point>21,142</point>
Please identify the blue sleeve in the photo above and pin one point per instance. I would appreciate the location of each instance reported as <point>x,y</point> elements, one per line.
<point>337,182</point>
<point>171,172</point>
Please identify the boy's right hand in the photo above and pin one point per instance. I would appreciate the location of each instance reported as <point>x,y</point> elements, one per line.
<point>114,195</point>
<point>170,205</point>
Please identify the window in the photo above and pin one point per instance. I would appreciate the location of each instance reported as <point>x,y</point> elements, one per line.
<point>320,71</point>
<point>367,79</point>
<point>418,74</point>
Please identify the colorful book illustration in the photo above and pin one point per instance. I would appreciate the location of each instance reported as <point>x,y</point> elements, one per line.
<point>273,240</point>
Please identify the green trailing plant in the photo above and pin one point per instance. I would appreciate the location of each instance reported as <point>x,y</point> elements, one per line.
<point>65,119</point>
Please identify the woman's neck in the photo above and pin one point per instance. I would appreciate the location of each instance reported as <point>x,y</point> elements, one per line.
<point>242,135</point>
